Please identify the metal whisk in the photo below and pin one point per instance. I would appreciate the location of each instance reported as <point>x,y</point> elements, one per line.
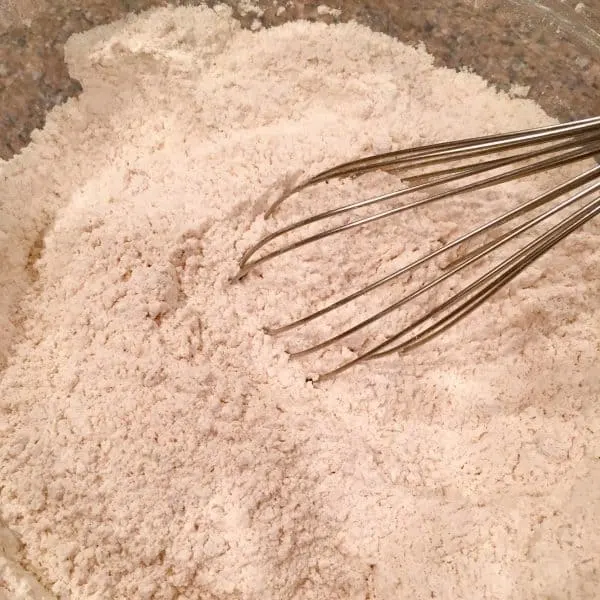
<point>445,170</point>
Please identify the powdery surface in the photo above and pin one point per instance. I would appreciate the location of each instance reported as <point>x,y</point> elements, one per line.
<point>155,444</point>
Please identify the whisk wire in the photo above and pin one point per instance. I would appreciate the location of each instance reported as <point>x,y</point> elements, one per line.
<point>543,165</point>
<point>479,253</point>
<point>529,253</point>
<point>445,150</point>
<point>501,220</point>
<point>546,148</point>
<point>509,270</point>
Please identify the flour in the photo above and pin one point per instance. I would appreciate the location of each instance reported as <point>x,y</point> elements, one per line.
<point>156,444</point>
<point>323,9</point>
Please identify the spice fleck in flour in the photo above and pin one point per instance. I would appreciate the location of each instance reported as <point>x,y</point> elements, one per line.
<point>154,443</point>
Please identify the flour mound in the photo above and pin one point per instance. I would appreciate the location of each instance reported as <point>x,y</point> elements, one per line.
<point>156,444</point>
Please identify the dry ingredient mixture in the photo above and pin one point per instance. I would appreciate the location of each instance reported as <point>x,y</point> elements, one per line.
<point>154,443</point>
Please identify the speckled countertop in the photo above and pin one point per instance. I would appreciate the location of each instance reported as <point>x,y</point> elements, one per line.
<point>498,39</point>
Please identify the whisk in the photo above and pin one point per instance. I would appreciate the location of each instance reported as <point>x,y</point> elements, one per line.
<point>444,170</point>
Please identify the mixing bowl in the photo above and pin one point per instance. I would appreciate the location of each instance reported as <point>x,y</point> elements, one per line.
<point>548,51</point>
<point>545,50</point>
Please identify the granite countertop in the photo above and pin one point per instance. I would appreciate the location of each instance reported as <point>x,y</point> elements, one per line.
<point>506,46</point>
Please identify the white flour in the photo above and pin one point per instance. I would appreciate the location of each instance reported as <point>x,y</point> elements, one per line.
<point>156,444</point>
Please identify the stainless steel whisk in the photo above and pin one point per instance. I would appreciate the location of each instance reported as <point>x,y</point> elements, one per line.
<point>465,166</point>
